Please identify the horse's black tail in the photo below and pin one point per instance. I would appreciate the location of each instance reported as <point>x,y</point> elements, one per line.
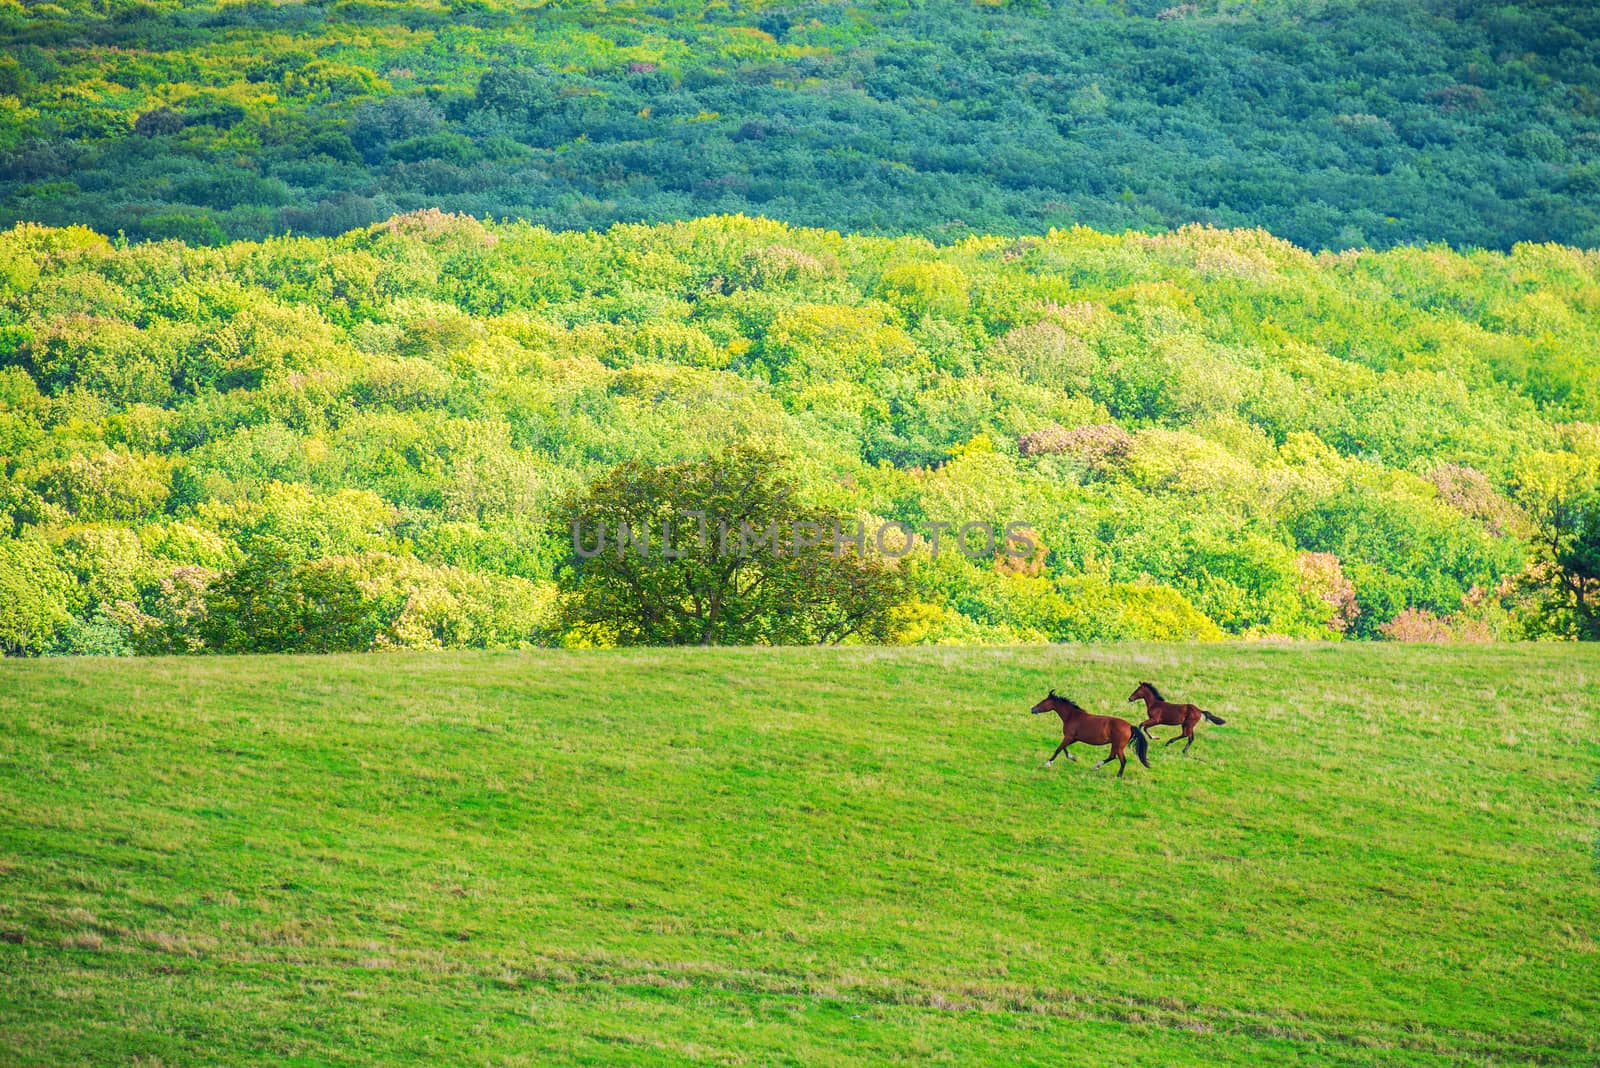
<point>1218,720</point>
<point>1141,744</point>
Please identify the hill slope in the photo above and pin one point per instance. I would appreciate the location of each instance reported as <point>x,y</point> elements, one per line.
<point>793,856</point>
<point>1333,124</point>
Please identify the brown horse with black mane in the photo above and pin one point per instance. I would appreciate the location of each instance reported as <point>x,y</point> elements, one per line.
<point>1159,712</point>
<point>1080,726</point>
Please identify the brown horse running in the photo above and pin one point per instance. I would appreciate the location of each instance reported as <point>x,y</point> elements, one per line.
<point>1079,726</point>
<point>1159,712</point>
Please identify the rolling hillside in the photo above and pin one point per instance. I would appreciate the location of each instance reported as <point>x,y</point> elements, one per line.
<point>1386,857</point>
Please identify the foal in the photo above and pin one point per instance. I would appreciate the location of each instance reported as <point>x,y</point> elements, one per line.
<point>1159,712</point>
<point>1079,726</point>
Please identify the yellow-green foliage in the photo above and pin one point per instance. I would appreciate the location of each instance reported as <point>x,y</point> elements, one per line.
<point>1184,420</point>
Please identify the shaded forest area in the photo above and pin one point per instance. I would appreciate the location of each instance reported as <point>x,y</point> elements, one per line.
<point>1332,125</point>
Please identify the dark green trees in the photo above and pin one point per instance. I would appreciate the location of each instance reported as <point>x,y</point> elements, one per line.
<point>719,552</point>
<point>1335,125</point>
<point>1565,576</point>
<point>273,603</point>
<point>1577,566</point>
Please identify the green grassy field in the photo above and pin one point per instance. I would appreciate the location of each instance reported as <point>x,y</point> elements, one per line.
<point>1386,857</point>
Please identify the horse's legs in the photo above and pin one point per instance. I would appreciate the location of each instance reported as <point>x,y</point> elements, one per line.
<point>1188,732</point>
<point>1066,750</point>
<point>1174,738</point>
<point>1057,753</point>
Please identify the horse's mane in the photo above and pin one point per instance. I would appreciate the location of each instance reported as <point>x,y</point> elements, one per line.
<point>1154,692</point>
<point>1072,706</point>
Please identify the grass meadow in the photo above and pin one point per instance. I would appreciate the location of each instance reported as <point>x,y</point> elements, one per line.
<point>802,857</point>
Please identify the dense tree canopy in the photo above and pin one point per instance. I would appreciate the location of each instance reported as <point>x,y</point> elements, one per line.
<point>1334,124</point>
<point>375,440</point>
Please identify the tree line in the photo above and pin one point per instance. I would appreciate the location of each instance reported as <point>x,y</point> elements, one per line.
<point>382,440</point>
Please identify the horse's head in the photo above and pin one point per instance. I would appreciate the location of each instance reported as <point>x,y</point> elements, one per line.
<point>1145,690</point>
<point>1053,703</point>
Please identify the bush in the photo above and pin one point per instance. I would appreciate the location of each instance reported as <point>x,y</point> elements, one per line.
<point>34,594</point>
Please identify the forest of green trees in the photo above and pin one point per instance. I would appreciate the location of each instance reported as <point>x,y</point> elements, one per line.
<point>1264,319</point>
<point>378,440</point>
<point>1330,123</point>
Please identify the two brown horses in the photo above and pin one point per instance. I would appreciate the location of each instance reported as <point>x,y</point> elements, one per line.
<point>1159,712</point>
<point>1080,726</point>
